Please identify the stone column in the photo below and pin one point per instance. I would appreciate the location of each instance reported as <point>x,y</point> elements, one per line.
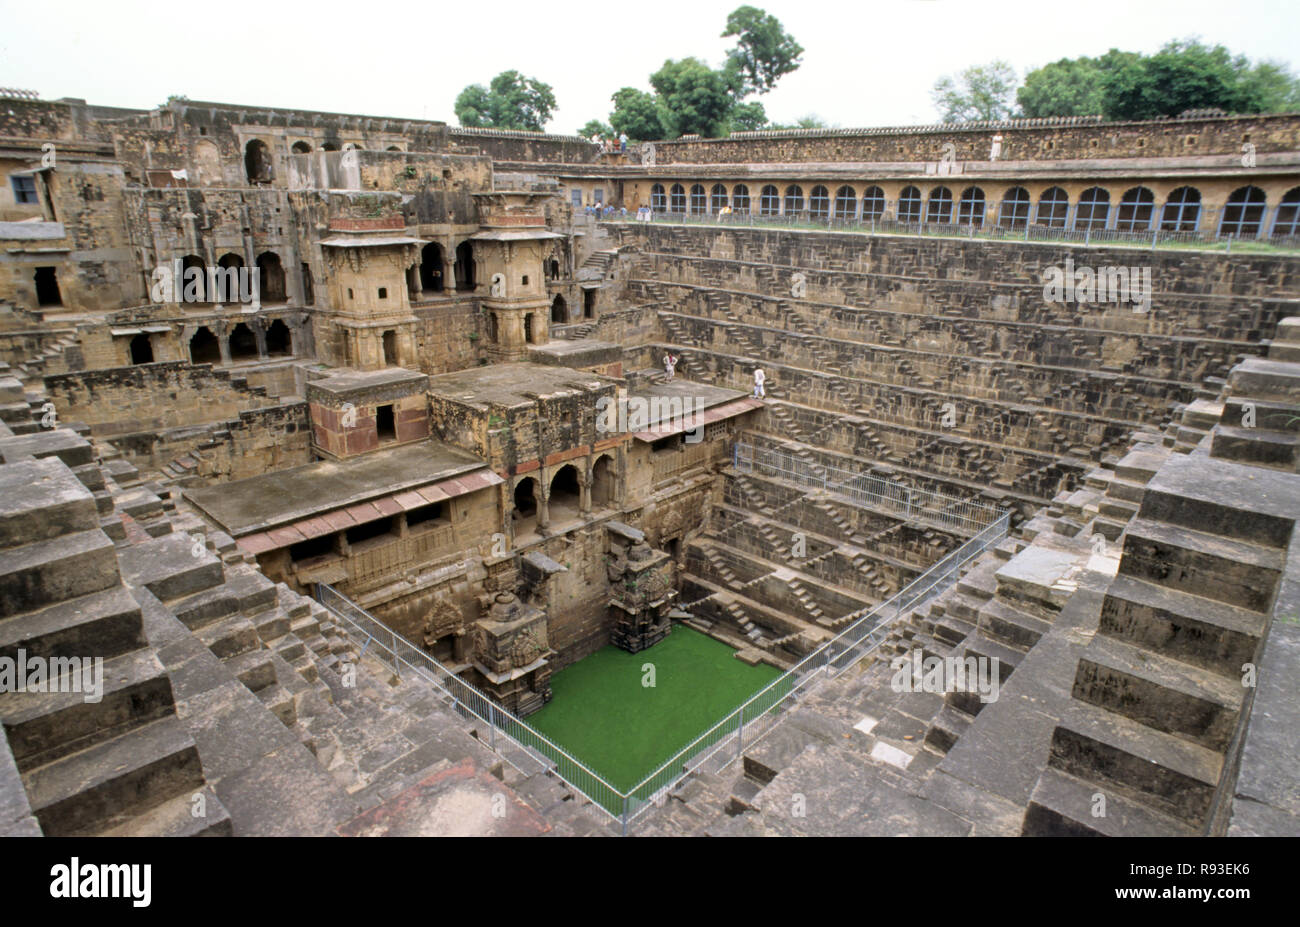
<point>584,483</point>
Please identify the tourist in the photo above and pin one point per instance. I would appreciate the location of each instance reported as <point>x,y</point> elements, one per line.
<point>759,379</point>
<point>622,143</point>
<point>670,364</point>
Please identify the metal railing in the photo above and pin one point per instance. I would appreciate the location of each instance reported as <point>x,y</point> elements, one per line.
<point>965,515</point>
<point>1273,226</point>
<point>726,739</point>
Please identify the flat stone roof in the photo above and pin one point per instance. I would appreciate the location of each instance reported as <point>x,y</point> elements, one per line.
<point>347,380</point>
<point>261,502</point>
<point>513,384</point>
<point>704,395</point>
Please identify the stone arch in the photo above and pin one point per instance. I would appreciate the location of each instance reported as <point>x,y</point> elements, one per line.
<point>431,267</point>
<point>301,147</point>
<point>189,288</point>
<point>970,208</point>
<point>910,205</point>
<point>271,273</point>
<point>565,492</point>
<point>1093,209</point>
<point>604,489</point>
<point>464,266</point>
<point>204,347</point>
<point>243,344</point>
<point>740,198</point>
<point>1182,210</point>
<point>257,161</point>
<point>873,203</point>
<point>524,512</point>
<point>793,199</point>
<point>940,205</point>
<point>1053,208</point>
<point>819,202</point>
<point>1136,210</point>
<point>1013,211</point>
<point>559,310</point>
<point>279,340</point>
<point>658,200</point>
<point>677,198</point>
<point>699,200</point>
<point>1288,214</point>
<point>718,198</point>
<point>1243,214</point>
<point>769,201</point>
<point>846,203</point>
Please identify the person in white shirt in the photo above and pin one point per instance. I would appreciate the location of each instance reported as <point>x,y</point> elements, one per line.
<point>670,365</point>
<point>759,379</point>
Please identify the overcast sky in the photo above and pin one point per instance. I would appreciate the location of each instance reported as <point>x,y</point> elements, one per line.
<point>866,63</point>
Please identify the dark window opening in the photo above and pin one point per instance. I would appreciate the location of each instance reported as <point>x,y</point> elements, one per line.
<point>909,205</point>
<point>526,498</point>
<point>431,267</point>
<point>271,277</point>
<point>301,148</point>
<point>588,304</point>
<point>1182,212</point>
<point>970,209</point>
<point>257,161</point>
<point>819,202</point>
<point>464,266</point>
<point>308,293</point>
<point>383,292</point>
<point>316,547</point>
<point>384,423</point>
<point>193,287</point>
<point>1014,213</point>
<point>940,205</point>
<point>1053,208</point>
<point>565,491</point>
<point>204,347</point>
<point>426,515</point>
<point>873,203</point>
<point>47,287</point>
<point>24,189</point>
<point>559,310</point>
<point>528,328</point>
<point>1244,212</point>
<point>671,443</point>
<point>369,531</point>
<point>279,341</point>
<point>1136,208</point>
<point>141,349</point>
<point>1093,209</point>
<point>243,343</point>
<point>390,348</point>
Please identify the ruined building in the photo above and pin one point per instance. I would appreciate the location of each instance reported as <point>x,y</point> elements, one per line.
<point>311,424</point>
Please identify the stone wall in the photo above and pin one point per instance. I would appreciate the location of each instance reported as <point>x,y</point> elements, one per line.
<point>1022,139</point>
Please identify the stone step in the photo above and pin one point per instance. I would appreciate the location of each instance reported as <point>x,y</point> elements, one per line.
<point>229,637</point>
<point>948,725</point>
<point>1203,564</point>
<point>1063,806</point>
<point>41,500</point>
<point>1213,635</point>
<point>53,570</point>
<point>1256,447</point>
<point>1172,775</point>
<point>105,623</point>
<point>202,608</point>
<point>254,668</point>
<point>107,784</point>
<point>1164,694</point>
<point>171,567</point>
<point>43,726</point>
<point>178,817</point>
<point>1013,627</point>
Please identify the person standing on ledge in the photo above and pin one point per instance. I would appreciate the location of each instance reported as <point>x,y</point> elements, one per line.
<point>759,379</point>
<point>622,143</point>
<point>670,365</point>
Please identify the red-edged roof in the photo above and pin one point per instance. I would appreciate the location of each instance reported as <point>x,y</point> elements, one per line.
<point>707,417</point>
<point>386,506</point>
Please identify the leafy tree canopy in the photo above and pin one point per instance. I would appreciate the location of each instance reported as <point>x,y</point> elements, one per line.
<point>981,92</point>
<point>637,114</point>
<point>596,127</point>
<point>511,101</point>
<point>764,51</point>
<point>693,98</point>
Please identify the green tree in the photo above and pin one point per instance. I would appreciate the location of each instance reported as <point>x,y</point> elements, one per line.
<point>764,51</point>
<point>979,92</point>
<point>811,121</point>
<point>693,98</point>
<point>637,114</point>
<point>1187,75</point>
<point>1064,88</point>
<point>511,101</point>
<point>746,117</point>
<point>596,127</point>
